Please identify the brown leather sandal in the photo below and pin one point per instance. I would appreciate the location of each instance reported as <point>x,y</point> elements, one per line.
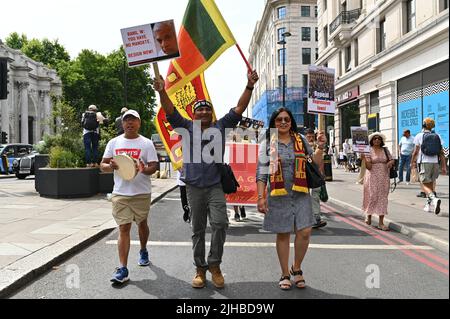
<point>299,283</point>
<point>285,282</point>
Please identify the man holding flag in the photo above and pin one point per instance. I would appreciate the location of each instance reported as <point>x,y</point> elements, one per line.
<point>202,176</point>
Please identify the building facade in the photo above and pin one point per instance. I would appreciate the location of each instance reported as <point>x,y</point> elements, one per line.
<point>26,112</point>
<point>391,62</point>
<point>270,56</point>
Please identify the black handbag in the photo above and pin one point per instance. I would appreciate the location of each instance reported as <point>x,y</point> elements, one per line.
<point>392,171</point>
<point>228,180</point>
<point>313,176</point>
<point>323,195</point>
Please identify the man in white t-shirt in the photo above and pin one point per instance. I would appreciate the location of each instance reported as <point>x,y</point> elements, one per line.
<point>131,199</point>
<point>428,165</point>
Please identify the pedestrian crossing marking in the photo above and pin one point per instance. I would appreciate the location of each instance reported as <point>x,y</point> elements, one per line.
<point>270,245</point>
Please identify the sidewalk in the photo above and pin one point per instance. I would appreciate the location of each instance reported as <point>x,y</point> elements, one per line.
<point>36,233</point>
<point>405,210</point>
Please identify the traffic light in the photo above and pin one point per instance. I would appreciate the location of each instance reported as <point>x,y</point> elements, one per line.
<point>3,78</point>
<point>4,138</point>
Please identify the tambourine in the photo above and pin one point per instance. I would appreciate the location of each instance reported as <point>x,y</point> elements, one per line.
<point>127,166</point>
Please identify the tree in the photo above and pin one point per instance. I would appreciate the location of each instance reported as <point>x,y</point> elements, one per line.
<point>16,41</point>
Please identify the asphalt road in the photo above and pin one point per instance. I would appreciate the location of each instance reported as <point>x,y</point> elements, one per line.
<point>346,259</point>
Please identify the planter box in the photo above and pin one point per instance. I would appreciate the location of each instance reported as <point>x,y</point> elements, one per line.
<point>67,182</point>
<point>105,182</point>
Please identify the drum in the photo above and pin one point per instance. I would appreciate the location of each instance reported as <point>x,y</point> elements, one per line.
<point>127,166</point>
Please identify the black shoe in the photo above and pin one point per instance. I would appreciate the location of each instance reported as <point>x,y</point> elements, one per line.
<point>237,217</point>
<point>320,223</point>
<point>243,215</point>
<point>422,195</point>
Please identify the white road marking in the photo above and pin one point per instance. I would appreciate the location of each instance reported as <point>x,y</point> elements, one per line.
<point>264,245</point>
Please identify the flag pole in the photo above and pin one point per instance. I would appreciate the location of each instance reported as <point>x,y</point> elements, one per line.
<point>156,69</point>
<point>249,67</point>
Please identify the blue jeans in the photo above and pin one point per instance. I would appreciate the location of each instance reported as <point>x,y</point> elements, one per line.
<point>405,161</point>
<point>91,147</point>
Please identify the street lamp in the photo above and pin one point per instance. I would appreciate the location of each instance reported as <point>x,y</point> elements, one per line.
<point>283,42</point>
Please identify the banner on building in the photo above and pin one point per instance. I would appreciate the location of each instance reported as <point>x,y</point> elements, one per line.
<point>243,159</point>
<point>141,43</point>
<point>321,90</point>
<point>360,139</point>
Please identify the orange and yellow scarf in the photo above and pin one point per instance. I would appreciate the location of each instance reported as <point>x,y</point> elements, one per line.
<point>276,173</point>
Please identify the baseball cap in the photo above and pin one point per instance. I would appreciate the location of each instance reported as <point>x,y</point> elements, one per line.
<point>132,113</point>
<point>202,103</point>
<point>428,123</point>
<point>123,110</point>
<point>92,108</point>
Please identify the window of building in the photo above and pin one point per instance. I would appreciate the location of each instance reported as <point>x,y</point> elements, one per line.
<point>281,12</point>
<point>325,36</point>
<point>315,11</point>
<point>324,5</point>
<point>305,11</point>
<point>340,64</point>
<point>281,56</point>
<point>317,54</point>
<point>410,15</point>
<point>381,36</point>
<point>305,80</point>
<point>306,56</point>
<point>356,53</point>
<point>443,5</point>
<point>316,35</point>
<point>280,80</point>
<point>280,33</point>
<point>348,58</point>
<point>374,103</point>
<point>306,34</point>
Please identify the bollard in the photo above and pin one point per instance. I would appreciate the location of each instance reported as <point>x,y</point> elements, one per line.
<point>327,167</point>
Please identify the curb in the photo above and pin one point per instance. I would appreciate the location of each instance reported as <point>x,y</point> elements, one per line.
<point>413,233</point>
<point>35,273</point>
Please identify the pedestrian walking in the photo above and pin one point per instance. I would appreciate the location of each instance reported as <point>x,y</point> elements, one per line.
<point>315,192</point>
<point>376,180</point>
<point>427,155</point>
<point>283,193</point>
<point>202,176</point>
<point>405,149</point>
<point>131,199</point>
<point>242,215</point>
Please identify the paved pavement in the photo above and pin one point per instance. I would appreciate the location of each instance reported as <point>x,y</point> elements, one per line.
<point>37,232</point>
<point>405,210</point>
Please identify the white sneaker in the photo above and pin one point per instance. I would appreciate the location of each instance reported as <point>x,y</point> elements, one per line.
<point>407,183</point>
<point>427,208</point>
<point>437,205</point>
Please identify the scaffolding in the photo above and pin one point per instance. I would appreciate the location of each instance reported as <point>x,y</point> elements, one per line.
<point>271,100</point>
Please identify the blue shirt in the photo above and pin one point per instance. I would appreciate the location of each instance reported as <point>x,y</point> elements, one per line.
<point>198,171</point>
<point>406,145</point>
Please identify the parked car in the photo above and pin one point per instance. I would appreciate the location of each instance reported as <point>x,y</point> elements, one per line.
<point>24,166</point>
<point>11,152</point>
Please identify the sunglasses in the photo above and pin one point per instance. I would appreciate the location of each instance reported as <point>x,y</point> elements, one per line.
<point>281,119</point>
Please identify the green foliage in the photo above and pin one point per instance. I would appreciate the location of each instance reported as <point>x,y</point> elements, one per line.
<point>62,158</point>
<point>16,41</point>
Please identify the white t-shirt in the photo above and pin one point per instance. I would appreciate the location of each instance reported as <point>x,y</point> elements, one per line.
<point>139,148</point>
<point>422,158</point>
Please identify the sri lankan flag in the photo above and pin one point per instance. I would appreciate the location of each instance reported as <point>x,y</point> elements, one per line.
<point>203,37</point>
<point>183,99</point>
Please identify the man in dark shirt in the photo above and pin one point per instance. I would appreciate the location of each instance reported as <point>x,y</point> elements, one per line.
<point>118,122</point>
<point>203,145</point>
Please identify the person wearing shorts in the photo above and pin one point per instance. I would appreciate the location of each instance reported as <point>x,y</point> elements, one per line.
<point>131,199</point>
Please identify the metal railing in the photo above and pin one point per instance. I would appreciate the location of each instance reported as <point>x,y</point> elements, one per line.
<point>345,17</point>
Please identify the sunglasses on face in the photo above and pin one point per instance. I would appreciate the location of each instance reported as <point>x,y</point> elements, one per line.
<point>283,119</point>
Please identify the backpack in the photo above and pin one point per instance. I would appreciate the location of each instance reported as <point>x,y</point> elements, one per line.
<point>90,121</point>
<point>431,144</point>
<point>229,181</point>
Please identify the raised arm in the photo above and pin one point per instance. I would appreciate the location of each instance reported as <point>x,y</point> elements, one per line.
<point>252,78</point>
<point>166,103</point>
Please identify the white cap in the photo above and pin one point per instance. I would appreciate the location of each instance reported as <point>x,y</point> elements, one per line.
<point>132,113</point>
<point>123,110</point>
<point>92,108</point>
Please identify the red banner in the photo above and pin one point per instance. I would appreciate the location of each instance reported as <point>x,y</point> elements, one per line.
<point>243,159</point>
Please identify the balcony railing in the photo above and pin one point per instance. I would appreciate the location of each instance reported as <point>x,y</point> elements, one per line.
<point>345,17</point>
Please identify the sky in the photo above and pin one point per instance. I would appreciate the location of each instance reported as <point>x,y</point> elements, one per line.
<point>96,24</point>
